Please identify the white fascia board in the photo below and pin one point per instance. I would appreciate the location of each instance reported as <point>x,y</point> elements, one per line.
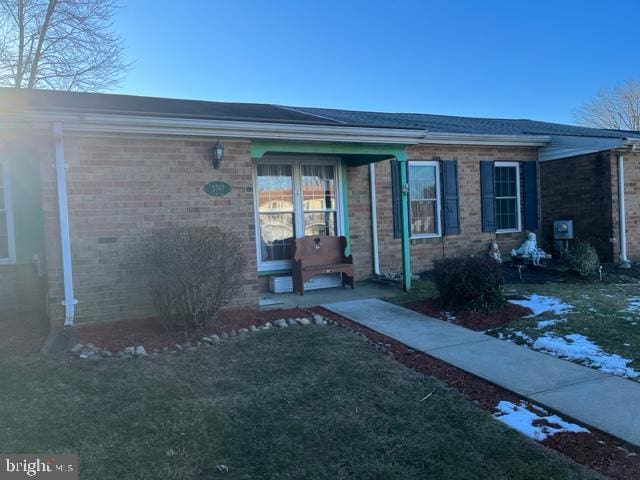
<point>478,139</point>
<point>89,123</point>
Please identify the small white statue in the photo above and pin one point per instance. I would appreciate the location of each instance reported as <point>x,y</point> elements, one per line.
<point>494,252</point>
<point>529,248</point>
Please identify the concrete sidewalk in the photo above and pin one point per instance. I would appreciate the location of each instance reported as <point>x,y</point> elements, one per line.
<point>605,402</point>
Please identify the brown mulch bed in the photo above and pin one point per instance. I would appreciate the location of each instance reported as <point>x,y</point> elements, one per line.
<point>433,307</point>
<point>596,450</point>
<point>149,332</point>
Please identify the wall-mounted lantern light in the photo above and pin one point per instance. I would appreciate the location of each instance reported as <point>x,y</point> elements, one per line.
<point>217,153</point>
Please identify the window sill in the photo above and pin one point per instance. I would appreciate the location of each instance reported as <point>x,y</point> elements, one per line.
<point>420,237</point>
<point>275,268</point>
<point>417,240</point>
<point>512,230</point>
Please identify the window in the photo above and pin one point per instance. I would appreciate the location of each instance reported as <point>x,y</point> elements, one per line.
<point>319,199</point>
<point>7,246</point>
<point>275,211</point>
<point>294,198</point>
<point>424,196</point>
<point>507,190</point>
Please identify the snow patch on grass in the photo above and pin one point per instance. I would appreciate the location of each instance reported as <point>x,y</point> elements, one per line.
<point>542,324</point>
<point>522,336</point>
<point>578,348</point>
<point>539,304</point>
<point>534,425</point>
<point>633,306</point>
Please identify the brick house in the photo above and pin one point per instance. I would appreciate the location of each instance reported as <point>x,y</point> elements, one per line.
<point>86,177</point>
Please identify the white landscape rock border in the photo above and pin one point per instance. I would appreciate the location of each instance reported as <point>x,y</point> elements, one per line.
<point>90,351</point>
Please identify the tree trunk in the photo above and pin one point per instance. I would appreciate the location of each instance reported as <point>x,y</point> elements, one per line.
<point>33,74</point>
<point>21,27</point>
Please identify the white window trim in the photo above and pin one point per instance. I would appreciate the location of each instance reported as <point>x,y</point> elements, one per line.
<point>518,206</point>
<point>298,207</point>
<point>8,205</point>
<point>430,163</point>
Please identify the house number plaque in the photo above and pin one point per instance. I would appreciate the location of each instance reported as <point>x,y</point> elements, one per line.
<point>217,189</point>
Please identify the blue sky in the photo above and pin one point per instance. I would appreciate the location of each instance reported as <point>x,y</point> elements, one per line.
<point>516,59</point>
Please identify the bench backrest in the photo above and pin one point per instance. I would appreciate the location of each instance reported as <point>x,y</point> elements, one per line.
<point>320,250</point>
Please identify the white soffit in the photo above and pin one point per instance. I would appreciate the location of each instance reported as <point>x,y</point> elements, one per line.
<point>563,146</point>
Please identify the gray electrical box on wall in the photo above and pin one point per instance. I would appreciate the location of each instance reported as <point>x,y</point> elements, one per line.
<point>563,229</point>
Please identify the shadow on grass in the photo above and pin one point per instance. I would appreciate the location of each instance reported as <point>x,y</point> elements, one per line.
<point>303,402</point>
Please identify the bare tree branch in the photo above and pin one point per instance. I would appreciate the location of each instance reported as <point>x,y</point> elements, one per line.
<point>617,108</point>
<point>60,44</point>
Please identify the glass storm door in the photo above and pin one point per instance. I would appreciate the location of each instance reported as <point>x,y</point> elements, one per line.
<point>319,200</point>
<point>275,211</point>
<point>295,198</point>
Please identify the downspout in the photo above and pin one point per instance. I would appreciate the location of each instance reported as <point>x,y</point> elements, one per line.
<point>65,238</point>
<point>374,218</point>
<point>624,261</point>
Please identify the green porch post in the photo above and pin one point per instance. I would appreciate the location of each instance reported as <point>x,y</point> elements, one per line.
<point>404,216</point>
<point>345,209</point>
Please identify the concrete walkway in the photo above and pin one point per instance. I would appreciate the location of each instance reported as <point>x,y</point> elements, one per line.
<point>605,402</point>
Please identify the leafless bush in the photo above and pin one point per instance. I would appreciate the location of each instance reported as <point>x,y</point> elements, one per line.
<point>194,271</point>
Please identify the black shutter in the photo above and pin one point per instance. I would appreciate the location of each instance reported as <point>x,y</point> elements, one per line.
<point>396,198</point>
<point>450,197</point>
<point>530,196</point>
<point>488,194</point>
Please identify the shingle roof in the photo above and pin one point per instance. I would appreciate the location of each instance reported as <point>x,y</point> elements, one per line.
<point>467,125</point>
<point>100,103</point>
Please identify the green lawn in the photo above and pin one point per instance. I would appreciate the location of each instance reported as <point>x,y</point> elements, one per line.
<point>303,402</point>
<point>599,312</point>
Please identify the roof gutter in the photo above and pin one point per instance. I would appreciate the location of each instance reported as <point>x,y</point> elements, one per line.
<point>480,139</point>
<point>132,124</point>
<point>98,123</point>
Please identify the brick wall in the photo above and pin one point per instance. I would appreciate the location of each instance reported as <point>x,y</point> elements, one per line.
<point>21,290</point>
<point>122,188</point>
<point>359,207</point>
<point>425,251</point>
<point>582,189</point>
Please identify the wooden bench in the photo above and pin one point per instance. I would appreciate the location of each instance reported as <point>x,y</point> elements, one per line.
<point>527,260</point>
<point>319,255</point>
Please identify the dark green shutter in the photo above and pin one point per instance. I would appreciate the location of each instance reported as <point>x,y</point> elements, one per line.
<point>530,196</point>
<point>396,198</point>
<point>488,196</point>
<point>450,197</point>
